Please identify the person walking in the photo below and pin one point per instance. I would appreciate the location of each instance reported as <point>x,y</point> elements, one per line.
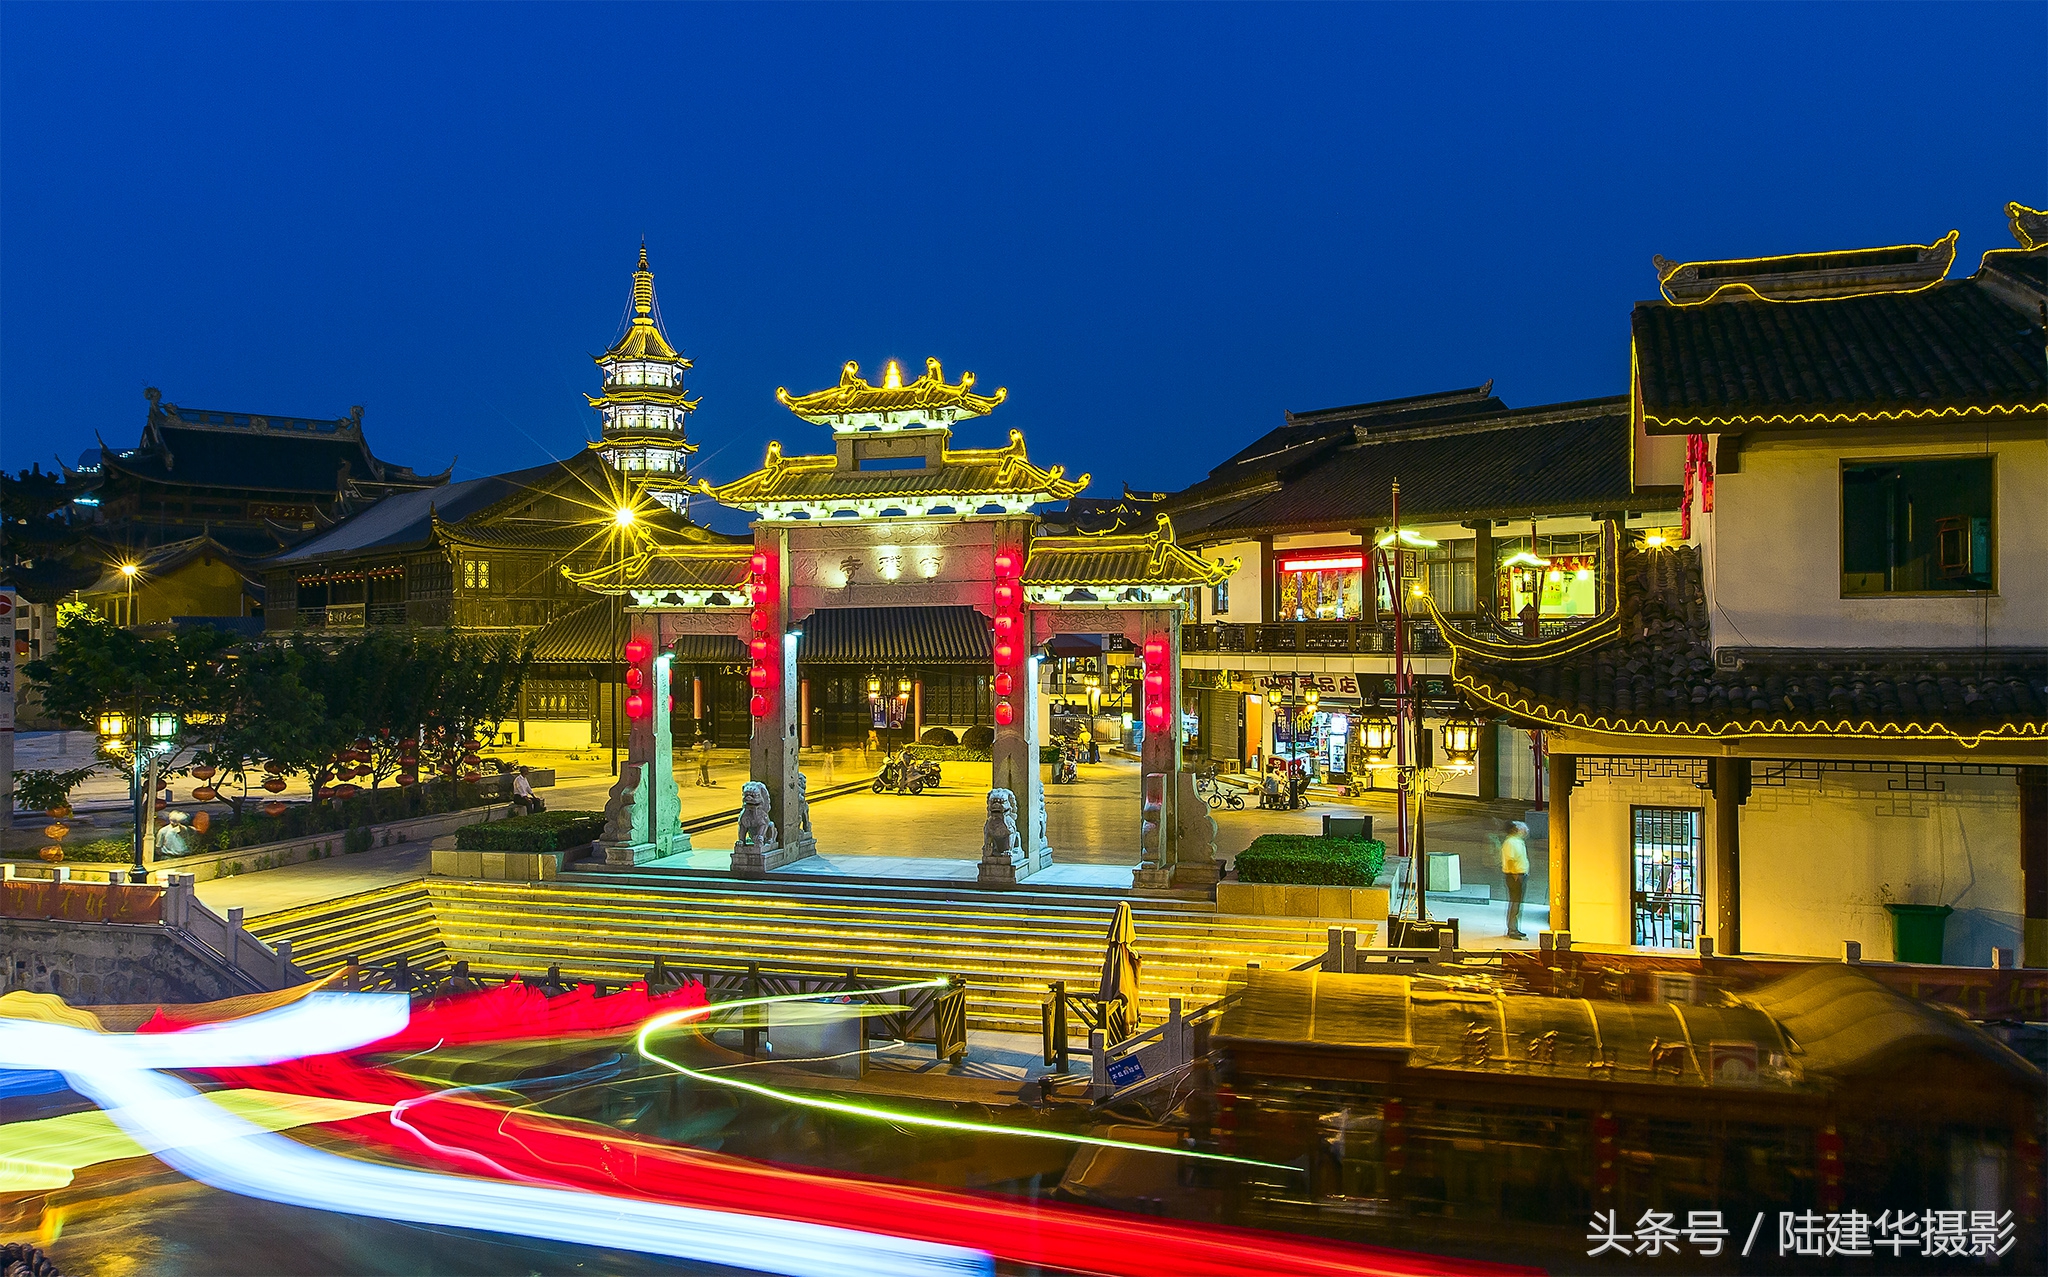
<point>1514,866</point>
<point>704,780</point>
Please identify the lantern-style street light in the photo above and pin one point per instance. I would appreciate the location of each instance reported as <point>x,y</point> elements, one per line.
<point>148,740</point>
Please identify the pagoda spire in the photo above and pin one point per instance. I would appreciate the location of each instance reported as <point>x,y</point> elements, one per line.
<point>643,404</point>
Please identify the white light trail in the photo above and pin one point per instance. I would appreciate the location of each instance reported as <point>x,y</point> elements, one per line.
<point>117,1072</point>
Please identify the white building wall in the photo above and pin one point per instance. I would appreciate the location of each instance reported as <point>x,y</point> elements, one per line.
<point>1820,859</point>
<point>1243,584</point>
<point>1773,547</point>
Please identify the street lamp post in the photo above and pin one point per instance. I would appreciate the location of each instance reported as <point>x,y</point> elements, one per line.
<point>147,739</point>
<point>623,518</point>
<point>128,570</point>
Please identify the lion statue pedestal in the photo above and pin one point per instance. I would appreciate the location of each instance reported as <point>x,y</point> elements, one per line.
<point>1004,862</point>
<point>760,847</point>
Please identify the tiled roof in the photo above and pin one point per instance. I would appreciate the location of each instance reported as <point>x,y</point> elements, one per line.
<point>896,636</point>
<point>965,473</point>
<point>1147,558</point>
<point>587,634</point>
<point>694,567</point>
<point>709,649</point>
<point>169,557</point>
<point>407,518</point>
<point>1507,463</point>
<point>854,395</point>
<point>1952,348</point>
<point>1657,676</point>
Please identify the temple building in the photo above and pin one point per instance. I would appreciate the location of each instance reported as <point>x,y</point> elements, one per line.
<point>1507,518</point>
<point>894,583</point>
<point>1837,654</point>
<point>254,482</point>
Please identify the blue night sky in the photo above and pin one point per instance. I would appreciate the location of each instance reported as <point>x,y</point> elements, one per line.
<point>1159,226</point>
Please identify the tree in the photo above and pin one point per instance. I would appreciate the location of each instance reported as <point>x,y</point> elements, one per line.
<point>480,685</point>
<point>259,710</point>
<point>44,552</point>
<point>96,666</point>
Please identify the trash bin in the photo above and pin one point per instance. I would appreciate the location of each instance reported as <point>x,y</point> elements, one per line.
<point>1917,932</point>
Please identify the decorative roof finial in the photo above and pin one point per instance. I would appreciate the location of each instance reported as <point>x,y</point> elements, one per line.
<point>892,377</point>
<point>643,254</point>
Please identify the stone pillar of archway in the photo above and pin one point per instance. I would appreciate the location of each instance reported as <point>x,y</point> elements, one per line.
<point>1177,835</point>
<point>773,747</point>
<point>642,814</point>
<point>1014,755</point>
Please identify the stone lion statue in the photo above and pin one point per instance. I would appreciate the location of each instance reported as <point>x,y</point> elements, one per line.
<point>999,837</point>
<point>756,830</point>
<point>801,821</point>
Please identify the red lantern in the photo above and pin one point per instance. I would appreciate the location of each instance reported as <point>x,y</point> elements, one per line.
<point>634,678</point>
<point>204,794</point>
<point>1155,651</point>
<point>760,564</point>
<point>273,767</point>
<point>1002,684</point>
<point>345,791</point>
<point>758,707</point>
<point>1155,718</point>
<point>636,705</point>
<point>760,622</point>
<point>758,649</point>
<point>1155,682</point>
<point>472,777</point>
<point>637,650</point>
<point>1005,653</point>
<point>274,809</point>
<point>202,773</point>
<point>1004,713</point>
<point>1006,565</point>
<point>757,677</point>
<point>275,784</point>
<point>1004,624</point>
<point>1006,594</point>
<point>409,778</point>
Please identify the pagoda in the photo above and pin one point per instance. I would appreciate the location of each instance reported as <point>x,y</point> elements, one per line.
<point>643,404</point>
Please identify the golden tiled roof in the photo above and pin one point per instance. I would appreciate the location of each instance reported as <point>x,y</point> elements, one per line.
<point>973,472</point>
<point>1142,558</point>
<point>672,567</point>
<point>853,394</point>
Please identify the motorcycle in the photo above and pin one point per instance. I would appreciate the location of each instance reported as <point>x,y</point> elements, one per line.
<point>904,775</point>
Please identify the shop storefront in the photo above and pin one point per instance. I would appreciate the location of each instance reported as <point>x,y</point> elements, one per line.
<point>1321,585</point>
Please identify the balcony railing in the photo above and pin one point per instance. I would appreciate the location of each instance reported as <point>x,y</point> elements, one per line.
<point>1310,638</point>
<point>1345,638</point>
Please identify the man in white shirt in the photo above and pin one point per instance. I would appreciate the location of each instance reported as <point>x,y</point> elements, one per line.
<point>522,792</point>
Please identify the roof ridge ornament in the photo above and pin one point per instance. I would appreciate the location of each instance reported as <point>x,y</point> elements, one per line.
<point>1805,277</point>
<point>2029,225</point>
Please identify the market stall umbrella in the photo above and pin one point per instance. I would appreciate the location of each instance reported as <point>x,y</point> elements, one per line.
<point>1119,989</point>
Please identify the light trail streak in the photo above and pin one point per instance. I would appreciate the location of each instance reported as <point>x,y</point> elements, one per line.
<point>898,1116</point>
<point>117,1072</point>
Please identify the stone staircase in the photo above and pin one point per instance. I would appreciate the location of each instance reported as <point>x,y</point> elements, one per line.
<point>1008,944</point>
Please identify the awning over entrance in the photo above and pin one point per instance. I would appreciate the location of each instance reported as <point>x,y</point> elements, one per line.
<point>710,649</point>
<point>895,636</point>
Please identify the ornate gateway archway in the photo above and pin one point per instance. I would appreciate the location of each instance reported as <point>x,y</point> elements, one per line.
<point>898,549</point>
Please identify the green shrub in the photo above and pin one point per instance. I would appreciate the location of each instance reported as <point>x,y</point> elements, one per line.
<point>1048,753</point>
<point>1311,860</point>
<point>103,851</point>
<point>542,832</point>
<point>949,754</point>
<point>359,839</point>
<point>377,807</point>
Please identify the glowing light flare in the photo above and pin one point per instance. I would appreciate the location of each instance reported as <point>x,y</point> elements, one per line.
<point>1406,537</point>
<point>625,516</point>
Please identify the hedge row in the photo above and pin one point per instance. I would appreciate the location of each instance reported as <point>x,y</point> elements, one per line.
<point>1311,860</point>
<point>377,807</point>
<point>542,832</point>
